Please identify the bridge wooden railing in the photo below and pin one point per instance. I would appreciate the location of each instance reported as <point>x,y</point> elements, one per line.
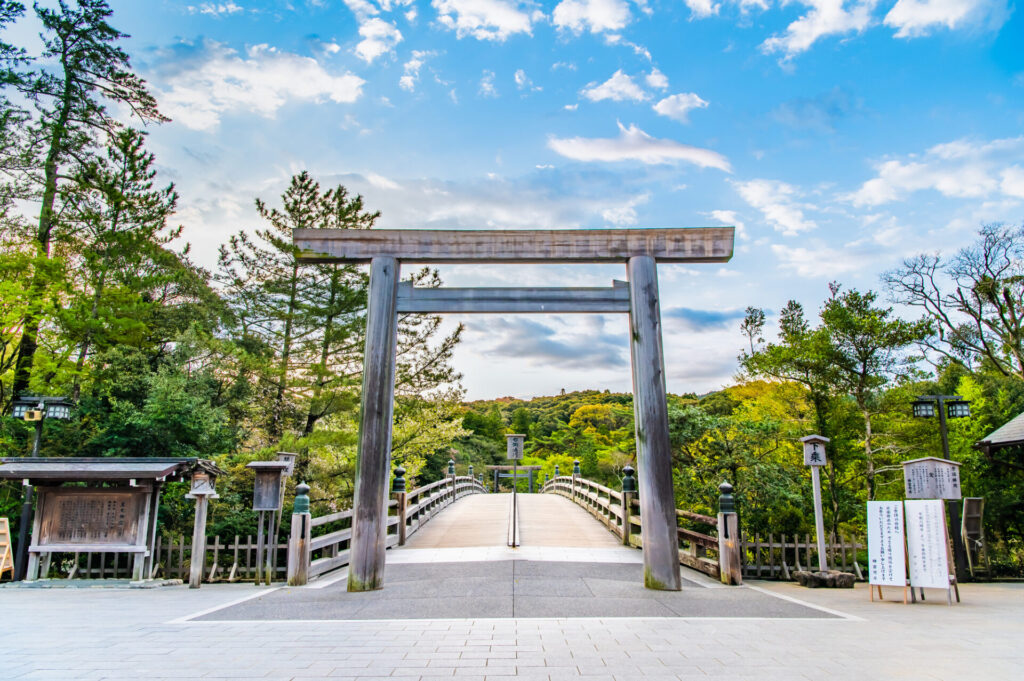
<point>318,545</point>
<point>714,555</point>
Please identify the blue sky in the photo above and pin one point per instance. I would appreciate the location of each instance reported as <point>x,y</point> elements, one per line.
<point>839,137</point>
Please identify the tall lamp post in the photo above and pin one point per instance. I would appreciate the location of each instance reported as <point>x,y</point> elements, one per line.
<point>953,407</point>
<point>34,408</point>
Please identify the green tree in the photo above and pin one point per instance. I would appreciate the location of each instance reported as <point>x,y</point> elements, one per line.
<point>871,349</point>
<point>83,70</point>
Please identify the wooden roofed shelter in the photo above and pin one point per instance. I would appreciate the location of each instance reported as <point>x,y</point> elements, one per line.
<point>97,505</point>
<point>638,249</point>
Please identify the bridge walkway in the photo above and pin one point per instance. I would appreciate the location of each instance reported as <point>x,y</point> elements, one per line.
<point>481,520</point>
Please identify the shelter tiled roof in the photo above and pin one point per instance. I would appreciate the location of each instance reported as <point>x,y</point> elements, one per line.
<point>1011,433</point>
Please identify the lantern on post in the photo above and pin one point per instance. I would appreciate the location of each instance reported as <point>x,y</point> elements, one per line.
<point>202,490</point>
<point>814,456</point>
<point>267,497</point>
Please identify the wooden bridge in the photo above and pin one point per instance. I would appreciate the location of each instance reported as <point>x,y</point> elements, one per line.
<point>571,512</point>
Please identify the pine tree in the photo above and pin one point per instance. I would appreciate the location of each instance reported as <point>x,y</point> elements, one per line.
<point>71,121</point>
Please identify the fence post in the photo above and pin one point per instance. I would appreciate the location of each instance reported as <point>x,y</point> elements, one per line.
<point>628,494</point>
<point>451,474</point>
<point>398,489</point>
<point>300,541</point>
<point>575,474</point>
<point>730,565</point>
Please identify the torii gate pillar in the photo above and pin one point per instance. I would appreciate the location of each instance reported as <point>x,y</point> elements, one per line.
<point>640,249</point>
<point>373,462</point>
<point>650,415</point>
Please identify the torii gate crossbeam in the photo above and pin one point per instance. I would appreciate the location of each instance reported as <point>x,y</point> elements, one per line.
<point>639,249</point>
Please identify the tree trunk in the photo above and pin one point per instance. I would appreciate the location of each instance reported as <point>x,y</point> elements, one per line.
<point>276,425</point>
<point>30,330</point>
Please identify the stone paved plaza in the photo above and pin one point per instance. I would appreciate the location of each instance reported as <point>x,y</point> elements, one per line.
<point>144,634</point>
<point>488,612</point>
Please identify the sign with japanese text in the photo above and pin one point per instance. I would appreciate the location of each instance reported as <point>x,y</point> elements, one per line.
<point>932,478</point>
<point>887,558</point>
<point>927,543</point>
<point>814,454</point>
<point>90,516</point>
<point>515,447</point>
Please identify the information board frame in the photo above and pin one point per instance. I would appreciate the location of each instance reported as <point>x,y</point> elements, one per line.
<point>929,557</point>
<point>887,551</point>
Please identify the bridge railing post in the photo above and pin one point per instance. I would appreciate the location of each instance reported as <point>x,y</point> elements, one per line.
<point>451,476</point>
<point>402,497</point>
<point>300,540</point>
<point>628,494</point>
<point>730,565</point>
<point>575,475</point>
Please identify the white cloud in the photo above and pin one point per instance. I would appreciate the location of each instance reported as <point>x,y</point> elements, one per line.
<point>362,9</point>
<point>382,182</point>
<point>379,37</point>
<point>215,9</point>
<point>826,17</point>
<point>523,81</point>
<point>678,107</point>
<point>411,69</point>
<point>656,79</point>
<point>1013,182</point>
<point>822,261</point>
<point>624,214</point>
<point>261,82</point>
<point>959,169</point>
<point>777,202</point>
<point>617,88</point>
<point>633,144</point>
<point>593,15</point>
<point>914,18</point>
<point>702,8</point>
<point>484,19</point>
<point>487,88</point>
<point>730,217</point>
<point>639,50</point>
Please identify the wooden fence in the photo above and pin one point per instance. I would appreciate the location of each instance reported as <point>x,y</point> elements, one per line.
<point>776,557</point>
<point>231,560</point>
<point>606,505</point>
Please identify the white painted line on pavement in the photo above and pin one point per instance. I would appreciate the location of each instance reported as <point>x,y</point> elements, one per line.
<point>188,618</point>
<point>342,573</point>
<point>526,620</point>
<point>798,601</point>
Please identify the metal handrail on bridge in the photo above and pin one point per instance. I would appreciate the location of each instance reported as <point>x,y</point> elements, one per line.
<point>608,506</point>
<point>311,556</point>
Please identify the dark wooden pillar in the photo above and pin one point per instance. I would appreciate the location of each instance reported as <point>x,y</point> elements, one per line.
<point>654,453</point>
<point>373,468</point>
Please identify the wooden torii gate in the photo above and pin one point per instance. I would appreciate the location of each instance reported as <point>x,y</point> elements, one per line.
<point>639,249</point>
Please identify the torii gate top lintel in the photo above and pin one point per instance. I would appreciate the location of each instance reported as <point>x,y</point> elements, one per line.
<point>512,246</point>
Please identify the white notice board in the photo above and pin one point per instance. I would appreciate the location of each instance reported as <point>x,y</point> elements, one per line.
<point>887,558</point>
<point>927,544</point>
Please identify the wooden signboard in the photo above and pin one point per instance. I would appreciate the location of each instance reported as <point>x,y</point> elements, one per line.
<point>887,557</point>
<point>90,517</point>
<point>514,447</point>
<point>6,554</point>
<point>927,543</point>
<point>932,478</point>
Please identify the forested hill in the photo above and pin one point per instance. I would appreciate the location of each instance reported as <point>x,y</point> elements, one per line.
<point>590,425</point>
